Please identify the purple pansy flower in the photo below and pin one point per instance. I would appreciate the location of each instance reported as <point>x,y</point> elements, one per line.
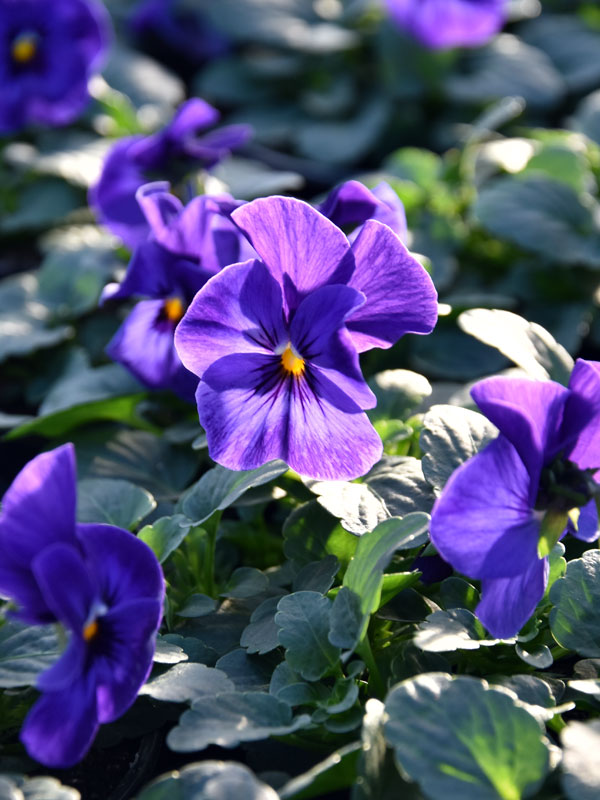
<point>441,24</point>
<point>48,51</point>
<point>275,340</point>
<point>352,204</point>
<point>101,582</point>
<point>168,153</point>
<point>186,247</point>
<point>178,31</point>
<point>502,510</point>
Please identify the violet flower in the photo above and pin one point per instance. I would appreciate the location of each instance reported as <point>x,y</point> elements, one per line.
<point>275,340</point>
<point>169,153</point>
<point>101,583</point>
<point>48,51</point>
<point>186,247</point>
<point>441,24</point>
<point>502,511</point>
<point>351,204</point>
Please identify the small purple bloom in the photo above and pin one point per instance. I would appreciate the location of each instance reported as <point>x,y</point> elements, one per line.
<point>101,583</point>
<point>441,24</point>
<point>353,204</point>
<point>179,32</point>
<point>187,245</point>
<point>275,340</point>
<point>501,511</point>
<point>169,153</point>
<point>48,51</point>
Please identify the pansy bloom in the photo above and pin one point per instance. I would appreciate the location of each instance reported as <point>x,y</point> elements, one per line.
<point>101,583</point>
<point>441,24</point>
<point>169,153</point>
<point>275,340</point>
<point>502,511</point>
<point>186,247</point>
<point>48,51</point>
<point>352,204</point>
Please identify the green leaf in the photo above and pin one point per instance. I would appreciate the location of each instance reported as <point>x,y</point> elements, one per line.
<point>245,582</point>
<point>40,787</point>
<point>587,117</point>
<point>575,618</point>
<point>303,622</point>
<point>450,436</point>
<point>260,636</point>
<point>219,488</point>
<point>462,740</point>
<point>358,508</point>
<point>165,535</point>
<point>233,717</point>
<point>529,345</point>
<point>542,216</point>
<point>338,771</point>
<point>208,780</point>
<point>398,391</point>
<point>25,651</point>
<point>457,629</point>
<point>580,768</point>
<point>187,682</point>
<point>197,605</point>
<point>113,501</point>
<point>42,204</point>
<point>401,485</point>
<point>317,576</point>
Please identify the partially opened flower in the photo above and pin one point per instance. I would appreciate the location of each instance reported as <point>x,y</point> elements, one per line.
<point>170,153</point>
<point>502,511</point>
<point>352,203</point>
<point>48,51</point>
<point>276,340</point>
<point>101,583</point>
<point>187,245</point>
<point>441,24</point>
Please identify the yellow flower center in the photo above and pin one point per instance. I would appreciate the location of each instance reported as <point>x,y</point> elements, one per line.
<point>291,363</point>
<point>173,308</point>
<point>24,47</point>
<point>90,631</point>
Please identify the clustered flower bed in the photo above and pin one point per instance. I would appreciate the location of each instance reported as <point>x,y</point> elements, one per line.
<point>300,399</point>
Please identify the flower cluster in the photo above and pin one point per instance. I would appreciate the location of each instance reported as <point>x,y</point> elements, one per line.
<point>440,24</point>
<point>100,582</point>
<point>502,511</point>
<point>276,339</point>
<point>169,153</point>
<point>48,51</point>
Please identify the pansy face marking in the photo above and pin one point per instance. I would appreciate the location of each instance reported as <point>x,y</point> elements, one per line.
<point>291,362</point>
<point>173,309</point>
<point>25,47</point>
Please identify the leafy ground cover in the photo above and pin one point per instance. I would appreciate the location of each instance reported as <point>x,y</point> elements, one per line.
<point>313,642</point>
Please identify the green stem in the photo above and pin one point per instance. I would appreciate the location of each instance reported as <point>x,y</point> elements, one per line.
<point>376,684</point>
<point>211,526</point>
<point>559,652</point>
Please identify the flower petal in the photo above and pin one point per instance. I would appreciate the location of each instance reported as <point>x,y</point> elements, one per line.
<point>483,523</point>
<point>252,413</point>
<point>125,660</point>
<point>319,335</point>
<point>66,670</point>
<point>302,249</point>
<point>585,402</point>
<point>400,295</point>
<point>124,567</point>
<point>353,204</point>
<point>61,726</point>
<point>67,584</point>
<point>507,603</point>
<point>239,310</point>
<point>587,525</point>
<point>145,345</point>
<point>528,413</point>
<point>38,508</point>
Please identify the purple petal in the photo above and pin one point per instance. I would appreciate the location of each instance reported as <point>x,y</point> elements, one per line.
<point>67,584</point>
<point>125,661</point>
<point>38,508</point>
<point>441,24</point>
<point>253,413</point>
<point>151,273</point>
<point>318,334</point>
<point>125,568</point>
<point>528,413</point>
<point>237,311</point>
<point>302,249</point>
<point>353,204</point>
<point>507,603</point>
<point>60,728</point>
<point>400,295</point>
<point>483,523</point>
<point>215,145</point>
<point>18,583</point>
<point>144,344</point>
<point>66,670</point>
<point>587,524</point>
<point>584,405</point>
